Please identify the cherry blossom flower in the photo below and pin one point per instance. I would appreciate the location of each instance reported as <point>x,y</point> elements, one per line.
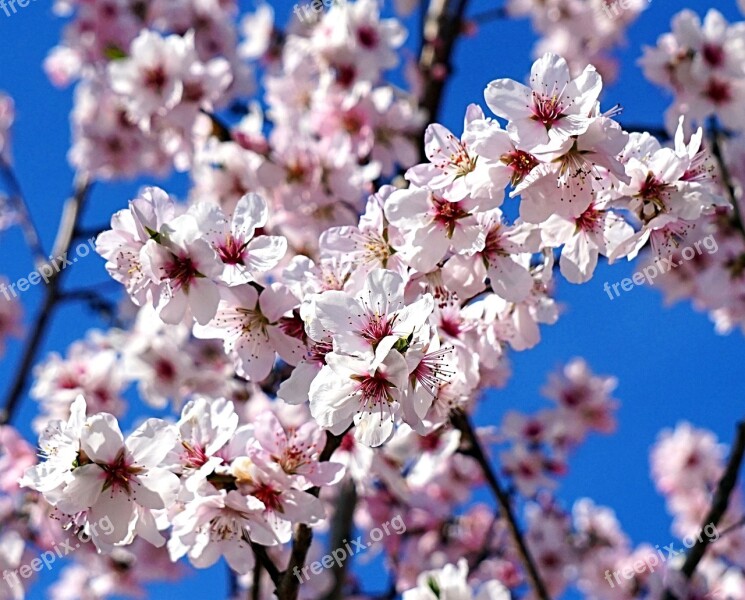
<point>253,327</point>
<point>550,111</point>
<point>182,268</point>
<point>376,319</point>
<point>349,390</point>
<point>242,253</point>
<point>450,582</point>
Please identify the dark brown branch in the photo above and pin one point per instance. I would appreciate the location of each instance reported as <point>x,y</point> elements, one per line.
<point>442,27</point>
<point>289,584</point>
<point>473,449</point>
<point>341,530</point>
<point>52,294</point>
<point>719,505</point>
<point>256,586</point>
<point>263,558</point>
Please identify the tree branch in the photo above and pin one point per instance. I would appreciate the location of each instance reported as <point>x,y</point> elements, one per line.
<point>289,584</point>
<point>719,505</point>
<point>461,421</point>
<point>716,152</point>
<point>30,233</point>
<point>442,26</point>
<point>52,294</point>
<point>341,530</point>
<point>263,558</point>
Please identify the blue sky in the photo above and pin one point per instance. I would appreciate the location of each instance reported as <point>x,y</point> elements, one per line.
<point>670,363</point>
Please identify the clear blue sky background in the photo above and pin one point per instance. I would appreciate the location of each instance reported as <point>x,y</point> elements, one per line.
<point>670,363</point>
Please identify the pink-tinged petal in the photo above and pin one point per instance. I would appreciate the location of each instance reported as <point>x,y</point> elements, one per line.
<point>298,506</point>
<point>528,133</point>
<point>510,280</point>
<point>405,206</point>
<point>428,247</point>
<point>585,91</point>
<point>578,259</point>
<point>250,213</point>
<point>422,175</point>
<point>384,290</point>
<point>265,252</point>
<point>331,401</point>
<point>149,444</point>
<point>508,99</point>
<point>238,555</point>
<point>147,529</point>
<point>116,506</point>
<point>101,438</point>
<point>549,74</point>
<point>276,300</point>
<point>290,349</point>
<point>254,357</point>
<point>270,433</point>
<point>157,488</point>
<point>439,143</point>
<point>329,473</point>
<point>338,312</point>
<point>84,489</point>
<point>296,388</point>
<point>468,237</point>
<point>373,428</point>
<point>172,311</point>
<point>204,296</point>
<point>413,316</point>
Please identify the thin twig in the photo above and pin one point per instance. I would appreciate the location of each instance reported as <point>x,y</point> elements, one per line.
<point>263,558</point>
<point>30,233</point>
<point>442,28</point>
<point>289,584</point>
<point>232,584</point>
<point>256,586</point>
<point>719,505</point>
<point>462,422</point>
<point>341,530</point>
<point>52,294</point>
<point>716,152</point>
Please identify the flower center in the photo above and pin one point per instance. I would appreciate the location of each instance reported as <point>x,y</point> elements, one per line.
<point>181,271</point>
<point>268,495</point>
<point>373,389</point>
<point>718,91</point>
<point>448,214</point>
<point>232,250</point>
<point>713,54</point>
<point>521,164</point>
<point>119,473</point>
<point>547,109</point>
<point>367,37</point>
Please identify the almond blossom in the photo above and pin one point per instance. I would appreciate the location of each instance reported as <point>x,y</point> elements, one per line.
<point>554,107</point>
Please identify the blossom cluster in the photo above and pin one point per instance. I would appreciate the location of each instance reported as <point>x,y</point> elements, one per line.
<point>326,305</point>
<point>582,31</point>
<point>219,485</point>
